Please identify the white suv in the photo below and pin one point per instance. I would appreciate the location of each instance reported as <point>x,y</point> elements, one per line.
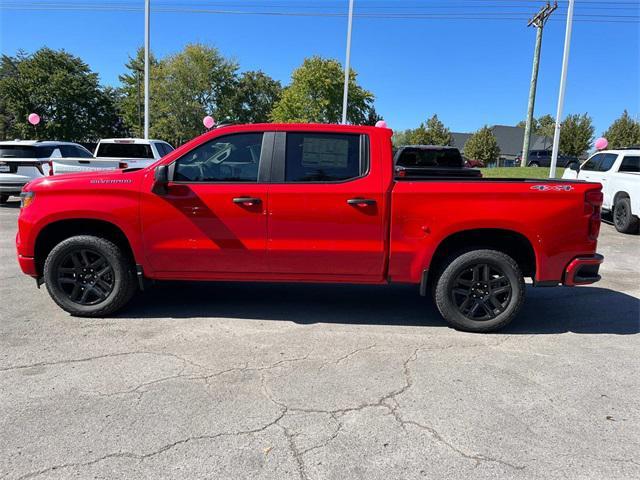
<point>23,160</point>
<point>619,173</point>
<point>113,153</point>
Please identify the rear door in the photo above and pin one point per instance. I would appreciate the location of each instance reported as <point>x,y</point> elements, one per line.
<point>325,207</point>
<point>213,218</point>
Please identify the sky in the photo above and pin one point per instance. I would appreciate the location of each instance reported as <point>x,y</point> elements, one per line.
<point>471,64</point>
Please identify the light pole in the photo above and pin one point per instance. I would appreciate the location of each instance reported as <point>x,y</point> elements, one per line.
<point>345,96</point>
<point>563,85</point>
<point>147,11</point>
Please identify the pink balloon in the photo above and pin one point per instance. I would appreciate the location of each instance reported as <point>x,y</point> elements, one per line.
<point>208,121</point>
<point>34,118</point>
<point>601,143</point>
<point>381,124</point>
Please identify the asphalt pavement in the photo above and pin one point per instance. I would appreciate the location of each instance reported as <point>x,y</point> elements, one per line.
<point>263,381</point>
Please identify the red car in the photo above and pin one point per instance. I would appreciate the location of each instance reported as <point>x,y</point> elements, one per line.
<point>306,203</point>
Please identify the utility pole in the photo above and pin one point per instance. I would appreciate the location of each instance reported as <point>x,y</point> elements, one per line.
<point>147,11</point>
<point>347,67</point>
<point>139,101</point>
<point>538,21</point>
<point>563,85</point>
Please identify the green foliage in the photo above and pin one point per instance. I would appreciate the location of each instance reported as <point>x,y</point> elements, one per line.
<point>131,93</point>
<point>255,95</point>
<point>624,132</point>
<point>401,137</point>
<point>315,95</point>
<point>543,126</point>
<point>482,146</point>
<point>576,135</point>
<point>191,84</point>
<point>62,90</point>
<point>433,132</point>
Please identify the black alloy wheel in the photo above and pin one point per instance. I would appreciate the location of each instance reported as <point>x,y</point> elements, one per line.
<point>86,277</point>
<point>481,292</point>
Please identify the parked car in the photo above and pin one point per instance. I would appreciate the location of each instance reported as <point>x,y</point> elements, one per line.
<point>23,160</point>
<point>619,173</point>
<point>473,163</point>
<point>114,153</point>
<point>542,158</point>
<point>306,203</point>
<point>431,161</point>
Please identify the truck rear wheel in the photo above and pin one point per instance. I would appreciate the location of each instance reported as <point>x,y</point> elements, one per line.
<point>623,219</point>
<point>480,291</point>
<point>89,276</point>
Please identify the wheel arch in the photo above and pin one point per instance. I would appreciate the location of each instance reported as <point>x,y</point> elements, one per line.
<point>510,242</point>
<point>55,232</point>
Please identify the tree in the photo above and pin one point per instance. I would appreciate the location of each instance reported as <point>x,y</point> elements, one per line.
<point>191,84</point>
<point>401,137</point>
<point>576,135</point>
<point>543,126</point>
<point>255,95</point>
<point>131,93</point>
<point>315,95</point>
<point>482,146</point>
<point>624,132</point>
<point>432,133</point>
<point>62,90</point>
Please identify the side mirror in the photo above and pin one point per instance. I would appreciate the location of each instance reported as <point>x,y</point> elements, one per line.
<point>575,167</point>
<point>161,180</point>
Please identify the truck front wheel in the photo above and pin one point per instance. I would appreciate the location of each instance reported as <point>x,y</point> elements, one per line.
<point>89,276</point>
<point>480,291</point>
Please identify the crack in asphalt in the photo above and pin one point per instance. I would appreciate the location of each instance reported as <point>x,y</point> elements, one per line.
<point>297,454</point>
<point>98,357</point>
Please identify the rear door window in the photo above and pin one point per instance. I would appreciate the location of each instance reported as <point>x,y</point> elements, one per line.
<point>124,150</point>
<point>323,157</point>
<point>630,164</point>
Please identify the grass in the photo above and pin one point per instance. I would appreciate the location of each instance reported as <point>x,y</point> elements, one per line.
<point>519,172</point>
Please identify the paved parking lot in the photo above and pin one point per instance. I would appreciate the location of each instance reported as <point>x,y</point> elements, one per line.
<point>316,382</point>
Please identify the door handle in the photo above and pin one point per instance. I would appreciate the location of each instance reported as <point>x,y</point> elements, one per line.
<point>247,201</point>
<point>361,202</point>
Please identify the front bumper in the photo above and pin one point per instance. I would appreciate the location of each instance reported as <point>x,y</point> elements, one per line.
<point>28,265</point>
<point>583,270</point>
<point>11,188</point>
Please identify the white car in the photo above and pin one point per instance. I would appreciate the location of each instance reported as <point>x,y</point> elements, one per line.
<point>24,160</point>
<point>114,153</point>
<point>619,173</point>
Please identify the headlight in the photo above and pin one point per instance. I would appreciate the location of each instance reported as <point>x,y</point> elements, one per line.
<point>26,198</point>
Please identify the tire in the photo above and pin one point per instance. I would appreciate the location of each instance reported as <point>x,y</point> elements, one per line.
<point>466,286</point>
<point>3,199</point>
<point>623,219</point>
<point>534,164</point>
<point>73,267</point>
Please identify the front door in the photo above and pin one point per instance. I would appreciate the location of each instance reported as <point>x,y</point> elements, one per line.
<point>326,208</point>
<point>213,218</point>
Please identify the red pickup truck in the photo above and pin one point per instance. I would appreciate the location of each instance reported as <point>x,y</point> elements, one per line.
<point>306,203</point>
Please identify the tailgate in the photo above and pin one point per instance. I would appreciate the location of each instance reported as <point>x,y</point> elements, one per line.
<point>75,165</point>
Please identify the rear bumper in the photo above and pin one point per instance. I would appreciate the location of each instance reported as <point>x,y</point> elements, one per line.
<point>583,270</point>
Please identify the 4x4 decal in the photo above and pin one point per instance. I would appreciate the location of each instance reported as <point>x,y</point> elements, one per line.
<point>555,188</point>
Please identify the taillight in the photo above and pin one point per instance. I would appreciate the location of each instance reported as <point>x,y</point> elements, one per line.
<point>50,167</point>
<point>592,206</point>
<point>123,165</point>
